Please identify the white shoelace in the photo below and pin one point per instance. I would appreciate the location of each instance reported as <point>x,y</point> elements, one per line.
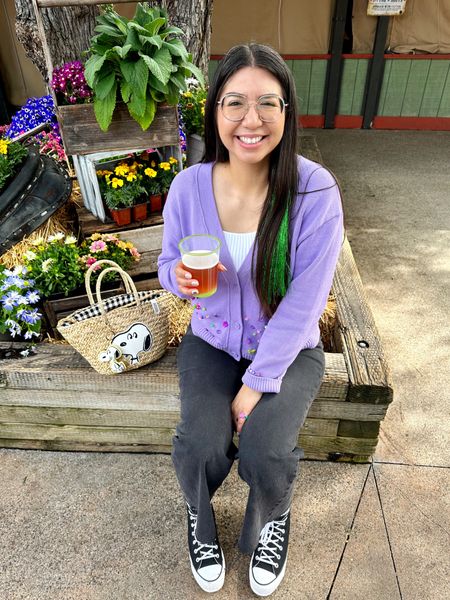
<point>206,551</point>
<point>271,535</point>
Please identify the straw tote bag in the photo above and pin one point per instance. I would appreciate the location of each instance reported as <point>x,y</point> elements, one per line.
<point>120,333</point>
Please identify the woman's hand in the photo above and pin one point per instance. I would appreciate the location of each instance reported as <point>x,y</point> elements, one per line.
<point>243,404</point>
<point>186,284</point>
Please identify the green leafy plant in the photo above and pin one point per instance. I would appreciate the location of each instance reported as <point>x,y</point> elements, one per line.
<point>122,187</point>
<point>166,173</point>
<point>55,265</point>
<point>143,59</point>
<point>192,108</point>
<point>11,156</point>
<point>108,246</point>
<point>58,265</point>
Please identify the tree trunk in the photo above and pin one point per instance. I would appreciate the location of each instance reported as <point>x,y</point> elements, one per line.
<point>68,32</point>
<point>194,18</point>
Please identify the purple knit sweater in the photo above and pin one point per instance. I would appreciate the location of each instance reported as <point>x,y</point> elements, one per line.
<point>231,319</point>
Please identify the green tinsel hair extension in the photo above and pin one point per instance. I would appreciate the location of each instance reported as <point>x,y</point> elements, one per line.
<point>280,275</point>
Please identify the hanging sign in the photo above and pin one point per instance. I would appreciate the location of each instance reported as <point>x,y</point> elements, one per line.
<point>385,8</point>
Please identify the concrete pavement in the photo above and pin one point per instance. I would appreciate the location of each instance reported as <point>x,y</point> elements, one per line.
<point>98,526</point>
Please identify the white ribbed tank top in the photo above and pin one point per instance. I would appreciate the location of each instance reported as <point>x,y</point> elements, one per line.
<point>239,245</point>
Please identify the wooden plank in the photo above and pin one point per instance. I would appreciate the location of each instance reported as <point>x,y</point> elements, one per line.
<point>397,86</point>
<point>434,88</point>
<point>51,445</point>
<point>162,436</point>
<point>444,106</point>
<point>301,71</point>
<point>360,83</point>
<point>57,3</point>
<point>89,224</point>
<point>415,88</point>
<point>30,406</point>
<point>384,87</point>
<point>317,87</point>
<point>56,367</point>
<point>349,69</point>
<point>15,417</point>
<point>366,364</point>
<point>82,135</point>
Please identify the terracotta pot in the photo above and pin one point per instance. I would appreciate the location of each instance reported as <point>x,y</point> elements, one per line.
<point>139,211</point>
<point>121,216</point>
<point>155,203</point>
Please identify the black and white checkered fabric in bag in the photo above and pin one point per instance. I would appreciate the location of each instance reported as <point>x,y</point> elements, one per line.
<point>121,333</point>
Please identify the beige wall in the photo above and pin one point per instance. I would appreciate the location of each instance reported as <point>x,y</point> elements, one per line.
<point>424,27</point>
<point>290,26</point>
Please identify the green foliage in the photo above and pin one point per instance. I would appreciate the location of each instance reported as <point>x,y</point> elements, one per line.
<point>11,156</point>
<point>142,58</point>
<point>192,107</point>
<point>58,265</point>
<point>54,265</point>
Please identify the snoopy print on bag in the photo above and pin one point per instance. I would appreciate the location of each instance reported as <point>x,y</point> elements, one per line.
<point>128,344</point>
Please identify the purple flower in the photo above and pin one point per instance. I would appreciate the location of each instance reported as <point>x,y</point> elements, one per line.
<point>11,299</point>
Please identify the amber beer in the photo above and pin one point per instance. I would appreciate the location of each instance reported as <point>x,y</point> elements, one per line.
<point>200,256</point>
<point>203,268</point>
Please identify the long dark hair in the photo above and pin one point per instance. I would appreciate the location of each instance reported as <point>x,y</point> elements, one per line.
<point>283,169</point>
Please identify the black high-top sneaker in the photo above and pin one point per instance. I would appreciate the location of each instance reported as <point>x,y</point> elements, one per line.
<point>268,562</point>
<point>207,560</point>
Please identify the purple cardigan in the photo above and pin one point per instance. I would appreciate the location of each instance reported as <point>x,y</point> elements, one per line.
<point>231,319</point>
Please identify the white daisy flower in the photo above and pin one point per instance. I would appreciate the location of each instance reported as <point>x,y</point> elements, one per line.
<point>46,264</point>
<point>70,239</point>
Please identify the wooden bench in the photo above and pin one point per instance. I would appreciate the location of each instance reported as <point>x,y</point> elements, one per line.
<point>53,400</point>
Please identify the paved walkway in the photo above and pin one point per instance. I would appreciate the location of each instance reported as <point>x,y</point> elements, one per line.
<point>112,526</point>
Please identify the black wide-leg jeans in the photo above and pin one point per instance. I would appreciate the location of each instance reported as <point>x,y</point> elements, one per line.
<point>203,448</point>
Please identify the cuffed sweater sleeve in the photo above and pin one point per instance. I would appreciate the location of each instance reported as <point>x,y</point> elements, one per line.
<point>317,245</point>
<point>172,234</point>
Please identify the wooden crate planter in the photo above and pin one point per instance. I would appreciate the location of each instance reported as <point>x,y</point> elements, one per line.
<point>82,135</point>
<point>55,401</point>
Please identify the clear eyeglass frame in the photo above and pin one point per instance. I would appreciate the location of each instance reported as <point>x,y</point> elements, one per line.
<point>258,106</point>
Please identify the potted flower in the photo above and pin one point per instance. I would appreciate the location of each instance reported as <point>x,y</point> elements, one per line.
<point>192,111</point>
<point>152,185</point>
<point>19,315</point>
<point>166,173</point>
<point>143,59</point>
<point>69,84</point>
<point>121,189</point>
<point>58,267</point>
<point>12,156</point>
<point>54,265</point>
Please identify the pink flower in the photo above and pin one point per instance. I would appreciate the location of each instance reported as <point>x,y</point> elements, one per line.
<point>134,252</point>
<point>90,260</point>
<point>97,246</point>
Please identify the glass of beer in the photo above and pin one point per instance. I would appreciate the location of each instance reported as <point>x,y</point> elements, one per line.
<point>200,256</point>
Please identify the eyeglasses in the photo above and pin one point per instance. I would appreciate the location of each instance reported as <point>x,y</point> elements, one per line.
<point>269,107</point>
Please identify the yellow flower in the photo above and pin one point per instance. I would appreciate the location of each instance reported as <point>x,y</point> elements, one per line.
<point>121,169</point>
<point>122,245</point>
<point>202,110</point>
<point>116,182</point>
<point>131,177</point>
<point>172,160</point>
<point>153,164</point>
<point>4,146</point>
<point>150,172</point>
<point>165,166</point>
<point>96,236</point>
<point>187,94</point>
